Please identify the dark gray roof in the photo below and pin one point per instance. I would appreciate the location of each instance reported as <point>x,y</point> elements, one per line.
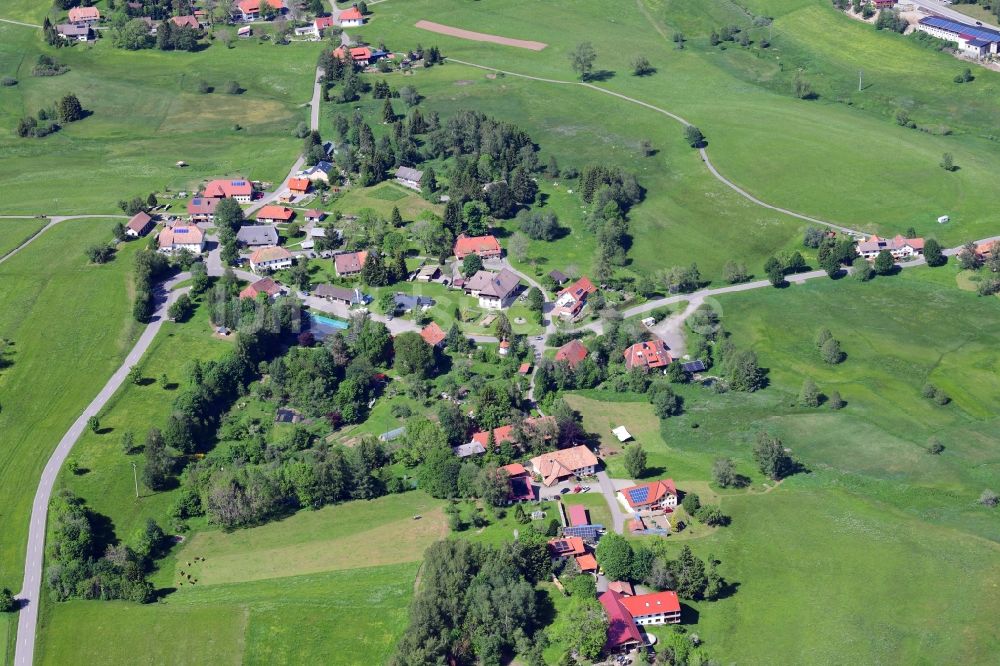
<point>410,302</point>
<point>558,276</point>
<point>335,293</point>
<point>694,366</point>
<point>257,234</point>
<point>497,285</point>
<point>72,30</point>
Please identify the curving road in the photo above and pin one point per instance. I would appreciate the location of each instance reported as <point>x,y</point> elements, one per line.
<point>53,221</point>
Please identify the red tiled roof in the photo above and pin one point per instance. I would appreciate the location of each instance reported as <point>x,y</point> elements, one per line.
<point>262,286</point>
<point>203,206</point>
<point>572,352</point>
<point>506,433</point>
<point>562,463</point>
<point>586,562</point>
<point>621,627</point>
<point>432,334</point>
<point>315,213</point>
<point>275,213</point>
<point>180,235</point>
<point>323,22</point>
<point>186,21</point>
<point>253,6</point>
<point>475,244</point>
<point>269,254</point>
<point>524,368</point>
<point>655,491</point>
<point>579,289</point>
<point>651,604</point>
<point>139,222</point>
<point>352,14</point>
<point>622,587</point>
<point>298,184</point>
<point>221,187</point>
<point>570,546</point>
<point>577,515</point>
<point>83,14</point>
<point>651,354</point>
<point>350,262</point>
<point>514,470</point>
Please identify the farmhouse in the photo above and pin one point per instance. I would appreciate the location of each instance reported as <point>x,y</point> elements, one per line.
<point>202,209</point>
<point>321,23</point>
<point>409,177</point>
<point>656,608</point>
<point>315,215</point>
<point>558,465</point>
<point>340,295</point>
<point>486,247</point>
<point>319,171</point>
<point>85,15</point>
<point>899,247</point>
<point>623,634</point>
<point>257,235</point>
<point>275,214</point>
<point>494,290</point>
<point>140,225</point>
<point>71,31</point>
<point>351,18</point>
<point>543,424</point>
<point>647,355</point>
<point>972,40</point>
<point>349,263</point>
<point>652,496</point>
<point>188,21</point>
<point>520,483</point>
<point>262,286</point>
<point>298,185</point>
<point>573,352</point>
<point>433,335</point>
<point>178,238</point>
<point>241,190</point>
<point>567,547</point>
<point>270,259</point>
<point>252,10</point>
<point>571,300</point>
<point>360,55</point>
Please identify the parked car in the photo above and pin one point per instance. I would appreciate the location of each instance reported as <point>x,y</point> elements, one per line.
<point>577,489</point>
<point>564,491</point>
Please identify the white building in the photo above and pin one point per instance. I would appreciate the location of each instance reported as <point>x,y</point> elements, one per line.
<point>174,239</point>
<point>270,259</point>
<point>972,40</point>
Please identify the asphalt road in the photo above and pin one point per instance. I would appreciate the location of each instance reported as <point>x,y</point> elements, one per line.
<point>53,221</point>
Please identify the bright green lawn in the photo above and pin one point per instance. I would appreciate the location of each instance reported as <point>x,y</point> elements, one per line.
<point>15,232</point>
<point>71,325</point>
<point>147,115</point>
<point>340,617</point>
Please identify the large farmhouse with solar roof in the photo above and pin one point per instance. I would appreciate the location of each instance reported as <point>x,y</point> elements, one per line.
<point>972,40</point>
<point>239,189</point>
<point>653,496</point>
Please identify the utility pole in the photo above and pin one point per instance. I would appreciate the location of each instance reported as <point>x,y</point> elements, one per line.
<point>135,477</point>
<point>860,75</point>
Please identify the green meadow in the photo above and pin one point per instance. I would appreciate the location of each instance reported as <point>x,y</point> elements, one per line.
<point>14,232</point>
<point>70,324</point>
<point>146,115</point>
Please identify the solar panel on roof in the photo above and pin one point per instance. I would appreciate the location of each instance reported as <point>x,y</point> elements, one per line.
<point>639,495</point>
<point>180,230</point>
<point>961,28</point>
<point>562,547</point>
<point>693,366</point>
<point>589,532</point>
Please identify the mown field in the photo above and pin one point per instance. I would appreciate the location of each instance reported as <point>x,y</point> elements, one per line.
<point>71,324</point>
<point>840,156</point>
<point>880,553</point>
<point>330,586</point>
<point>147,114</point>
<point>14,232</point>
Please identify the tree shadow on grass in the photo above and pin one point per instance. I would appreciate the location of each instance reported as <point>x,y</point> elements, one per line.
<point>653,472</point>
<point>600,75</point>
<point>689,614</point>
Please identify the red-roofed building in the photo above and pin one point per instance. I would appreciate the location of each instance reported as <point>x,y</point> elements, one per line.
<point>587,563</point>
<point>202,209</point>
<point>262,286</point>
<point>571,300</point>
<point>188,21</point>
<point>656,608</point>
<point>566,547</point>
<point>349,263</point>
<point>514,469</point>
<point>506,433</point>
<point>298,185</point>
<point>487,247</point>
<point>558,465</point>
<point>524,369</point>
<point>433,334</point>
<point>520,483</point>
<point>351,18</point>
<point>360,55</point>
<point>577,515</point>
<point>315,215</point>
<point>622,587</point>
<point>322,23</point>
<point>85,15</point>
<point>652,496</point>
<point>573,352</point>
<point>647,355</point>
<point>252,10</point>
<point>140,225</point>
<point>275,214</point>
<point>623,634</point>
<point>270,259</point>
<point>239,189</point>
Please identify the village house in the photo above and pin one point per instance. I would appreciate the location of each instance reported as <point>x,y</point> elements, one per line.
<point>202,209</point>
<point>298,185</point>
<point>623,633</point>
<point>340,295</point>
<point>275,214</point>
<point>360,55</point>
<point>315,215</point>
<point>72,31</point>
<point>253,10</point>
<point>409,302</point>
<point>408,177</point>
<point>571,300</point>
<point>564,463</point>
<point>319,171</point>
<point>656,608</point>
<point>651,355</point>
<point>573,352</point>
<point>486,247</point>
<point>983,250</point>
<point>321,23</point>
<point>519,480</point>
<point>84,15</point>
<point>652,496</point>
<point>899,247</point>
<point>433,334</point>
<point>351,18</point>
<point>239,189</point>
<point>558,277</point>
<point>257,235</point>
<point>503,348</point>
<point>571,546</point>
<point>263,286</point>
<point>506,433</point>
<point>140,225</point>
<point>494,290</point>
<point>188,21</point>
<point>177,238</point>
<point>348,264</point>
<point>268,259</point>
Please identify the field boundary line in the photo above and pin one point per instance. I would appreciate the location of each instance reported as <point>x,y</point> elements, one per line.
<point>26,25</point>
<point>704,154</point>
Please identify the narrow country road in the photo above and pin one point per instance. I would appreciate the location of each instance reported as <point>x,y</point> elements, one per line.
<point>608,490</point>
<point>704,153</point>
<point>53,221</point>
<point>30,593</point>
<point>941,9</point>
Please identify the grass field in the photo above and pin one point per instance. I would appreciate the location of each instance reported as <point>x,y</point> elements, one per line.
<point>147,115</point>
<point>15,232</point>
<point>71,325</point>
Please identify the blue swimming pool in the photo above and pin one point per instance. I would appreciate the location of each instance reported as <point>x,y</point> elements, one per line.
<point>328,322</point>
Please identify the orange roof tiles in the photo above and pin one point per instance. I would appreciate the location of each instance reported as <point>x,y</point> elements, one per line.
<point>651,354</point>
<point>432,334</point>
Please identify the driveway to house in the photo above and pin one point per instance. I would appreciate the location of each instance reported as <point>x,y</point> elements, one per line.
<point>618,515</point>
<point>29,595</point>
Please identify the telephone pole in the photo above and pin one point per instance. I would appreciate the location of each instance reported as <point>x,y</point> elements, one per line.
<point>135,477</point>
